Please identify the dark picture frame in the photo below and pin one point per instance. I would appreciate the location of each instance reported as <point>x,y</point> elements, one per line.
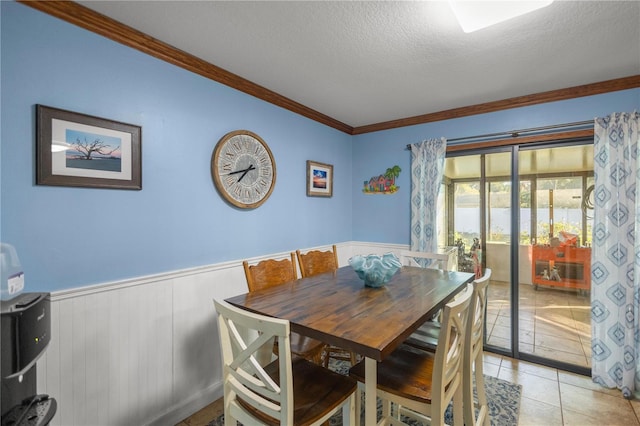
<point>319,179</point>
<point>74,149</point>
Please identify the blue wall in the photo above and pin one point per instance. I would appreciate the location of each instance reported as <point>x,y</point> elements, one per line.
<point>386,218</point>
<point>69,237</point>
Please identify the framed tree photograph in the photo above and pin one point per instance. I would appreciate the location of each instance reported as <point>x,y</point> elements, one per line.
<point>74,149</point>
<point>319,179</point>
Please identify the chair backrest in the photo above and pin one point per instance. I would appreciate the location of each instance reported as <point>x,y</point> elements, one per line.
<point>424,259</point>
<point>475,328</point>
<point>270,272</point>
<point>447,369</point>
<point>317,262</point>
<point>245,381</point>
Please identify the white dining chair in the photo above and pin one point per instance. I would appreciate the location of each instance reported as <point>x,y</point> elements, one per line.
<point>425,259</point>
<point>426,382</point>
<point>288,391</point>
<point>426,338</point>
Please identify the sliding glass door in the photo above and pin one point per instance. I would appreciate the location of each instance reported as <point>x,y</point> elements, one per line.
<point>525,213</point>
<point>479,223</point>
<point>554,302</point>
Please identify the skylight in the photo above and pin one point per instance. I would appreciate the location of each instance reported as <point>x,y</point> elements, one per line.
<point>475,15</point>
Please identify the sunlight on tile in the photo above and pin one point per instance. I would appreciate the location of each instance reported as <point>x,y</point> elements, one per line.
<point>548,319</point>
<point>530,369</point>
<point>557,355</point>
<point>533,387</point>
<point>553,342</point>
<point>635,404</point>
<point>490,358</point>
<point>585,383</point>
<point>548,326</point>
<point>575,418</point>
<point>536,413</point>
<point>491,370</point>
<point>608,409</point>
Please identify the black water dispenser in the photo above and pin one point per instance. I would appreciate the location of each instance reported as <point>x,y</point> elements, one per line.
<point>25,323</point>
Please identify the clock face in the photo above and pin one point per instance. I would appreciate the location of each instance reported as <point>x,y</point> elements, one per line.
<point>243,169</point>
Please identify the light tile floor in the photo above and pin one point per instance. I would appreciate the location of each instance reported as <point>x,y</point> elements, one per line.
<point>550,397</point>
<point>553,323</point>
<point>555,397</point>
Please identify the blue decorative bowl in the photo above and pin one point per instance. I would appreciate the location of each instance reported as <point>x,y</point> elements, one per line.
<point>374,269</point>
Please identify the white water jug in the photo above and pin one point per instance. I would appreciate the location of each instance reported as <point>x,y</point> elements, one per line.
<point>11,274</point>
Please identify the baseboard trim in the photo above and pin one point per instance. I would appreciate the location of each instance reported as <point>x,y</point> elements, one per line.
<point>189,406</point>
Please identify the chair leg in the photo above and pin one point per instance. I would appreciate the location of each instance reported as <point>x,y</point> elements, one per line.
<point>349,411</point>
<point>475,371</point>
<point>467,393</point>
<point>458,402</point>
<point>326,352</point>
<point>228,419</point>
<point>386,408</point>
<point>483,414</point>
<point>358,403</point>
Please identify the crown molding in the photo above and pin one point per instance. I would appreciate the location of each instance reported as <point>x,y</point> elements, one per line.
<point>88,19</point>
<point>520,101</point>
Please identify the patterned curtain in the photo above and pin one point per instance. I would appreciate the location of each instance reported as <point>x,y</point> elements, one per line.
<point>427,168</point>
<point>615,257</point>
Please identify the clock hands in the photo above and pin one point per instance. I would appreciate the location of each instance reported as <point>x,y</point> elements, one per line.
<point>244,172</point>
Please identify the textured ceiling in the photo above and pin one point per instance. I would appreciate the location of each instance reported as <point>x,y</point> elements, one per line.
<point>369,62</point>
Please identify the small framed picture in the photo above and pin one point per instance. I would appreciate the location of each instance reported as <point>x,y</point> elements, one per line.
<point>319,179</point>
<point>74,149</point>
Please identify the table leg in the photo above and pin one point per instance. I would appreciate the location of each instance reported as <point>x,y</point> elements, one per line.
<point>370,385</point>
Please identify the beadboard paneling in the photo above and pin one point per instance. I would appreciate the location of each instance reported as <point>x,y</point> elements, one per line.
<point>144,350</point>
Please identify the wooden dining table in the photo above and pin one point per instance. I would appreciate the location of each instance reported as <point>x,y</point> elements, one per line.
<point>338,309</point>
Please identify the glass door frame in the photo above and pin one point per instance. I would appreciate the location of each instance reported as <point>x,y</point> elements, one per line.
<point>514,149</point>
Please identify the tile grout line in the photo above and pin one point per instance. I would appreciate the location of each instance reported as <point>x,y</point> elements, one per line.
<point>559,396</point>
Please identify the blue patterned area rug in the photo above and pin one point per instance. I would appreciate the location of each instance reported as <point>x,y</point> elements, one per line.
<point>503,399</point>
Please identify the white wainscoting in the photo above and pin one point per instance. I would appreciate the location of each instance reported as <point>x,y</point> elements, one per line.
<point>145,350</point>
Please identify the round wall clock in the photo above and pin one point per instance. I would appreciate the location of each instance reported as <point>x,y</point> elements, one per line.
<point>243,169</point>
